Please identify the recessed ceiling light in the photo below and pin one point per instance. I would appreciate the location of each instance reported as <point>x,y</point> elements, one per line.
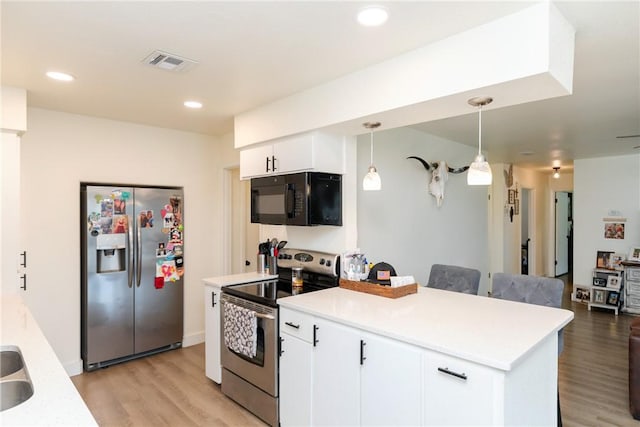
<point>57,75</point>
<point>527,153</point>
<point>372,16</point>
<point>193,104</point>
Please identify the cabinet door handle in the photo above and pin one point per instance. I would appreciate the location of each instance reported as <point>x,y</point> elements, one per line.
<point>292,325</point>
<point>462,376</point>
<point>273,163</point>
<point>280,350</point>
<point>24,282</point>
<point>268,164</point>
<point>213,299</point>
<point>24,259</point>
<point>362,358</point>
<point>315,335</point>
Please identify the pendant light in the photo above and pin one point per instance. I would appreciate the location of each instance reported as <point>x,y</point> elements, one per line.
<point>556,174</point>
<point>479,171</point>
<point>371,181</point>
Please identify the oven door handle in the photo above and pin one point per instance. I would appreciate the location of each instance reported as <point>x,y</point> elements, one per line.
<point>265,316</point>
<point>259,315</point>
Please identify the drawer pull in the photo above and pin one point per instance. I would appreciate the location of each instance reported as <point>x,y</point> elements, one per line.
<point>292,325</point>
<point>462,376</point>
<point>315,336</point>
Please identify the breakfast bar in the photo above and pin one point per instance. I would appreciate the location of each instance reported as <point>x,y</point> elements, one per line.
<point>431,358</point>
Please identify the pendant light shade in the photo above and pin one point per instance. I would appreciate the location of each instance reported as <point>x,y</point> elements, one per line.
<point>371,181</point>
<point>479,172</point>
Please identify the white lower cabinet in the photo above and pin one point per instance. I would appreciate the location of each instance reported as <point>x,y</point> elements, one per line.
<point>391,383</point>
<point>349,377</point>
<point>457,392</point>
<point>213,367</point>
<point>335,392</point>
<point>295,381</point>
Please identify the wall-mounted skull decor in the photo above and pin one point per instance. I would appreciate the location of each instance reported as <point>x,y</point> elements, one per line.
<point>439,176</point>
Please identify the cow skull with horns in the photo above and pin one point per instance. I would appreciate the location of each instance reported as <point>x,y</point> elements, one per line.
<point>439,175</point>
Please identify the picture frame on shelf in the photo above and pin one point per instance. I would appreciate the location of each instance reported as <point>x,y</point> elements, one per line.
<point>615,261</point>
<point>613,281</point>
<point>582,295</point>
<point>598,296</point>
<point>634,254</point>
<point>613,298</point>
<point>602,258</point>
<point>599,281</point>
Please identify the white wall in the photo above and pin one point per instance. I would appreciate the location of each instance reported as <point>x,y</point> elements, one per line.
<point>13,122</point>
<point>601,185</point>
<point>402,225</point>
<point>62,150</point>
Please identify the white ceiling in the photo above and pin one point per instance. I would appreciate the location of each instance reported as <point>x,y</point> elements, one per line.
<point>252,53</point>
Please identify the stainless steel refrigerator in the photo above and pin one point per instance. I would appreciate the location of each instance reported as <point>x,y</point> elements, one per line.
<point>132,272</point>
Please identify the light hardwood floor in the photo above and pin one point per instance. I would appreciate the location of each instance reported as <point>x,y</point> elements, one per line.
<point>170,389</point>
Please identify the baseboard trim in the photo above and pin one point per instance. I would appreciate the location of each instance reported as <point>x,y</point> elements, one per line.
<point>193,339</point>
<point>73,368</point>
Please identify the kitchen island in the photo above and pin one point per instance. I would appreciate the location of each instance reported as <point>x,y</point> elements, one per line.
<point>55,401</point>
<point>431,358</point>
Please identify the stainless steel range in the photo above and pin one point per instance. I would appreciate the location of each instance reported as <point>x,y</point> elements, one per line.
<point>251,377</point>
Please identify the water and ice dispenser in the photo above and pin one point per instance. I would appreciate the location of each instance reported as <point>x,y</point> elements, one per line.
<point>111,252</point>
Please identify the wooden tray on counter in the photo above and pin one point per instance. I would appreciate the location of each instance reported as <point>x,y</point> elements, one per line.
<point>380,290</point>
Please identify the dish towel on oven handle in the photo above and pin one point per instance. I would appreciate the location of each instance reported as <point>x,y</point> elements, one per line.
<point>240,329</point>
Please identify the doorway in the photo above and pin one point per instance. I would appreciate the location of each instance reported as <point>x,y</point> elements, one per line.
<point>243,235</point>
<point>525,232</point>
<point>563,233</point>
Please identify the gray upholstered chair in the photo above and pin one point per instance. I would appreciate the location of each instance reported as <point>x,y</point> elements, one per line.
<point>533,290</point>
<point>530,289</point>
<point>454,278</point>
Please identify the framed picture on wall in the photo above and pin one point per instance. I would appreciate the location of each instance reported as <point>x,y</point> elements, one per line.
<point>516,207</point>
<point>512,196</point>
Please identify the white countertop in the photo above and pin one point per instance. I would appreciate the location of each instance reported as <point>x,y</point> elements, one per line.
<point>483,330</point>
<point>234,279</point>
<point>55,400</point>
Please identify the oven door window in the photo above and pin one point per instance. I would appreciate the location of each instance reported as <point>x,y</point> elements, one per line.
<point>258,359</point>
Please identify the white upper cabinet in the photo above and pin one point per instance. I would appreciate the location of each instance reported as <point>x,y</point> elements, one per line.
<point>314,151</point>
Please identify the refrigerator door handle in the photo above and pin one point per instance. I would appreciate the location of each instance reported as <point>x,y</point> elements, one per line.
<point>130,251</point>
<point>139,252</point>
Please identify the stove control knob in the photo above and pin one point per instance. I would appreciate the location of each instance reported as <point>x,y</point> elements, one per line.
<point>289,256</point>
<point>328,263</point>
<point>321,261</point>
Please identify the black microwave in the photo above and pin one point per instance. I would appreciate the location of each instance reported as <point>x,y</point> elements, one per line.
<point>306,198</point>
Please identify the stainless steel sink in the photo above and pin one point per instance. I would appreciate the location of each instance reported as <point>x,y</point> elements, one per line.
<point>10,362</point>
<point>15,384</point>
<point>14,392</point>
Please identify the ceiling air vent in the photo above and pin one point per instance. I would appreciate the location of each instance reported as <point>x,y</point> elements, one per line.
<point>168,61</point>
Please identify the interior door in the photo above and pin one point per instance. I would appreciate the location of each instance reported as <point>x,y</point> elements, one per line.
<point>563,231</point>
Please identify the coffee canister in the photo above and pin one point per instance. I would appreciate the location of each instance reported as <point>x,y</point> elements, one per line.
<point>261,264</point>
